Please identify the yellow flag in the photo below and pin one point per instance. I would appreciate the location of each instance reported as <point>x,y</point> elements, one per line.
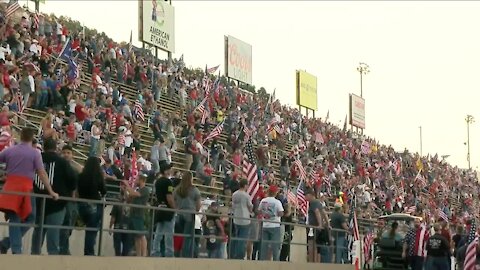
<point>419,165</point>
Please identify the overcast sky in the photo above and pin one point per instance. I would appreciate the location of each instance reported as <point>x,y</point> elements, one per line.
<point>424,57</point>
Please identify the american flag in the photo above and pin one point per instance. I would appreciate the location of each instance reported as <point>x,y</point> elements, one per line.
<point>319,138</point>
<point>12,7</point>
<point>35,20</point>
<point>73,74</point>
<point>271,125</point>
<point>314,177</point>
<point>421,179</point>
<point>365,147</point>
<point>411,209</point>
<point>215,132</point>
<point>353,226</point>
<point>125,70</point>
<point>138,110</point>
<point>301,199</point>
<point>20,104</point>
<point>303,173</point>
<point>471,253</point>
<point>113,126</point>
<point>250,170</point>
<point>201,108</point>
<point>134,170</point>
<point>397,165</point>
<point>442,215</point>
<point>291,197</point>
<point>367,246</point>
<point>212,69</point>
<point>279,129</point>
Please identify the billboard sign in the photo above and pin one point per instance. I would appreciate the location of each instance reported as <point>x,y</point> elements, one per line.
<point>357,111</point>
<point>306,90</point>
<point>238,60</point>
<point>157,24</point>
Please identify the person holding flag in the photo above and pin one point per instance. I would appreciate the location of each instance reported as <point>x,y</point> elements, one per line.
<point>414,245</point>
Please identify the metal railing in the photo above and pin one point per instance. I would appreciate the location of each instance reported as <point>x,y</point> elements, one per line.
<point>268,243</point>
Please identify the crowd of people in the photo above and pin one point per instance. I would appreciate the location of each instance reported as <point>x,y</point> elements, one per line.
<point>326,161</point>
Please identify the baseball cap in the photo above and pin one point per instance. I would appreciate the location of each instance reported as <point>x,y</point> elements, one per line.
<point>273,189</point>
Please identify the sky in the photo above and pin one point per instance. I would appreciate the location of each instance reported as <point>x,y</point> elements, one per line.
<point>423,56</point>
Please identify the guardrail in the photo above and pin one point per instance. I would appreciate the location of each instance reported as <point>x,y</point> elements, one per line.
<point>335,244</point>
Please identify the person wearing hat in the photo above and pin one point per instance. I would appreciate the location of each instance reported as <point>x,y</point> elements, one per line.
<point>339,225</point>
<point>271,209</point>
<point>138,196</point>
<point>164,220</point>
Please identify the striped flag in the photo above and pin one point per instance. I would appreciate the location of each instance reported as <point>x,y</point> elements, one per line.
<point>215,132</point>
<point>12,7</point>
<point>353,226</point>
<point>271,125</point>
<point>138,110</point>
<point>303,173</point>
<point>113,126</point>
<point>291,197</point>
<point>73,74</point>
<point>279,129</point>
<point>411,209</point>
<point>212,69</point>
<point>397,165</point>
<point>367,246</point>
<point>134,170</point>
<point>301,199</point>
<point>125,70</point>
<point>471,253</point>
<point>314,177</point>
<point>35,20</point>
<point>442,215</point>
<point>250,170</point>
<point>201,108</point>
<point>365,148</point>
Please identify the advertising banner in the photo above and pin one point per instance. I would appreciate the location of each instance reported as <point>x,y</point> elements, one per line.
<point>158,24</point>
<point>238,60</point>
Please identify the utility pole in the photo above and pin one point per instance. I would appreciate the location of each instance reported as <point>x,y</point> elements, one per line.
<point>363,69</point>
<point>470,120</point>
<point>421,141</point>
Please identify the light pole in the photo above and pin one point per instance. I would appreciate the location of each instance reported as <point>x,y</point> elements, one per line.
<point>364,69</point>
<point>421,141</point>
<point>470,120</point>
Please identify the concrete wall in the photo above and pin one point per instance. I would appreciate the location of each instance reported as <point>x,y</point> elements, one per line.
<point>298,252</point>
<point>130,263</point>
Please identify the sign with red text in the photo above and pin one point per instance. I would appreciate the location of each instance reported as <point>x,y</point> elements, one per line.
<point>357,111</point>
<point>238,60</point>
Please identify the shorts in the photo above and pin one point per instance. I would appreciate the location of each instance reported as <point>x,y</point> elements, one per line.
<point>138,224</point>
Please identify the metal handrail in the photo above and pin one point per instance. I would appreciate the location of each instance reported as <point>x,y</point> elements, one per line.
<point>29,122</point>
<point>41,226</point>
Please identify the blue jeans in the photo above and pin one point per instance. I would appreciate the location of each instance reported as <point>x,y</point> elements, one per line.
<point>122,243</point>
<point>189,230</point>
<point>270,238</point>
<point>91,215</point>
<point>163,230</point>
<point>42,100</point>
<point>341,250</point>
<point>325,255</point>
<point>53,234</point>
<point>437,263</point>
<point>242,233</point>
<point>15,233</point>
<point>71,214</point>
<point>93,147</point>
<point>216,253</point>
